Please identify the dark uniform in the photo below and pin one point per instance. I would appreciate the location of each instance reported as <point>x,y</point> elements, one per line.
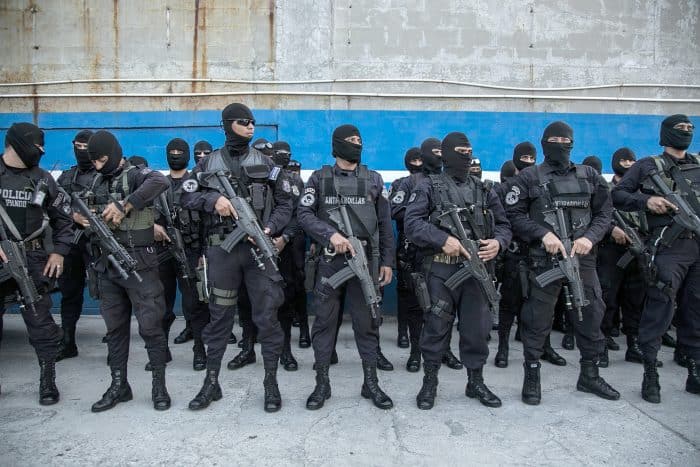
<point>431,198</point>
<point>361,190</point>
<point>588,210</point>
<point>677,262</point>
<point>254,176</point>
<point>18,188</point>
<point>75,264</point>
<point>126,184</point>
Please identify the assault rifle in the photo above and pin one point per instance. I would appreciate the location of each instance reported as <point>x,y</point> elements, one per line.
<point>636,249</point>
<point>684,216</point>
<point>176,246</point>
<point>247,224</point>
<point>16,267</point>
<point>566,267</point>
<point>472,266</point>
<point>357,267</point>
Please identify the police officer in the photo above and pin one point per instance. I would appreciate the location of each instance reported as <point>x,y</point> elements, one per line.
<point>172,276</point>
<point>123,196</point>
<point>588,210</point>
<point>201,150</point>
<point>487,224</point>
<point>72,282</point>
<point>355,186</point>
<point>676,250</point>
<point>253,176</point>
<point>23,204</point>
<point>475,169</point>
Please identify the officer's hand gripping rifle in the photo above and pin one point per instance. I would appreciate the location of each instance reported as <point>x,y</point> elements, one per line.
<point>357,267</point>
<point>567,267</point>
<point>110,248</point>
<point>176,246</point>
<point>16,268</point>
<point>247,224</point>
<point>472,266</point>
<point>684,216</point>
<point>637,248</point>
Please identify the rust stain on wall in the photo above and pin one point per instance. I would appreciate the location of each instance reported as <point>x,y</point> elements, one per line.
<point>115,26</point>
<point>195,41</point>
<point>271,20</point>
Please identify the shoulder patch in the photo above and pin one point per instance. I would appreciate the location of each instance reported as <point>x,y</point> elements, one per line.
<point>286,187</point>
<point>515,189</point>
<point>295,190</point>
<point>308,199</point>
<point>190,185</point>
<point>398,197</point>
<point>146,171</point>
<point>385,193</point>
<point>309,190</point>
<point>274,173</point>
<point>511,198</point>
<point>412,198</point>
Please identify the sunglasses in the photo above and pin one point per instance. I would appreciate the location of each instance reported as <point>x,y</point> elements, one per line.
<point>245,122</point>
<point>202,152</point>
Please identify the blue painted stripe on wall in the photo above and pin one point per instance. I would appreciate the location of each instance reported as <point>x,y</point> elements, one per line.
<point>386,134</point>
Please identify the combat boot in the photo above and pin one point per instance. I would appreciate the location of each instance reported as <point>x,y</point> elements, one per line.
<point>304,337</point>
<point>413,363</point>
<point>567,342</point>
<point>651,390</point>
<point>273,399</point>
<point>611,344</point>
<point>289,363</point>
<point>425,400</point>
<point>634,352</point>
<point>118,391</point>
<point>245,357</point>
<point>199,358</point>
<point>402,341</point>
<point>477,389</point>
<point>501,360</point>
<point>67,347</point>
<point>590,381</point>
<point>371,389</point>
<point>159,393</point>
<point>680,357</point>
<point>532,392</point>
<point>322,391</point>
<point>668,340</point>
<point>451,361</point>
<point>382,362</point>
<point>211,391</point>
<point>184,336</point>
<point>48,392</point>
<point>168,359</point>
<point>604,359</point>
<point>692,384</point>
<point>550,355</point>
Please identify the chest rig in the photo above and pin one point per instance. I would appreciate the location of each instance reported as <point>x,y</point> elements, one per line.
<point>75,180</point>
<point>471,194</point>
<point>571,191</point>
<point>188,222</point>
<point>354,191</point>
<point>136,229</point>
<point>251,176</point>
<point>16,193</point>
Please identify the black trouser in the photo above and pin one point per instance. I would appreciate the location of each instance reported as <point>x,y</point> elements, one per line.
<point>72,283</point>
<point>44,335</point>
<point>326,303</point>
<point>475,322</point>
<point>227,272</point>
<point>511,292</point>
<point>297,248</point>
<point>538,310</point>
<point>409,313</point>
<point>291,263</point>
<point>195,311</point>
<point>678,267</point>
<point>622,288</point>
<point>145,299</point>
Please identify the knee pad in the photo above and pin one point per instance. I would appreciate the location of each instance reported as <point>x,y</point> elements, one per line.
<point>223,297</point>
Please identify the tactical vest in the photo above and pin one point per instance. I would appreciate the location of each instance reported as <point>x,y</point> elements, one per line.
<point>635,219</point>
<point>188,222</point>
<point>74,181</point>
<point>16,193</point>
<point>136,229</point>
<point>354,192</point>
<point>250,175</point>
<point>472,195</point>
<point>690,172</point>
<point>571,191</point>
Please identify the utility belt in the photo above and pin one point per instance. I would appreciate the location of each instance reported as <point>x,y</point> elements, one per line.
<point>216,239</point>
<point>666,235</point>
<point>34,245</point>
<point>135,238</point>
<point>445,259</point>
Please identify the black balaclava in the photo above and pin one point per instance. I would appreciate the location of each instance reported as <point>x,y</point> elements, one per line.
<point>508,170</point>
<point>178,161</point>
<point>264,146</point>
<point>673,138</point>
<point>350,152</point>
<point>201,146</point>
<point>136,160</point>
<point>432,164</point>
<point>411,155</point>
<point>456,164</point>
<point>236,144</point>
<point>294,166</point>
<point>23,137</point>
<point>281,153</point>
<point>522,149</point>
<point>103,143</point>
<point>558,155</point>
<point>476,163</point>
<point>622,154</point>
<point>595,162</point>
<point>81,155</point>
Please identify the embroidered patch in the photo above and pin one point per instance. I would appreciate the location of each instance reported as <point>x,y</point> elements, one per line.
<point>190,186</point>
<point>146,171</point>
<point>412,198</point>
<point>286,186</point>
<point>385,193</point>
<point>274,173</point>
<point>309,190</point>
<point>295,190</point>
<point>511,198</point>
<point>308,199</point>
<point>398,197</point>
<point>515,189</point>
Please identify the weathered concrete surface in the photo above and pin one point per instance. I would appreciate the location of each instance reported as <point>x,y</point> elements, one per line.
<point>569,428</point>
